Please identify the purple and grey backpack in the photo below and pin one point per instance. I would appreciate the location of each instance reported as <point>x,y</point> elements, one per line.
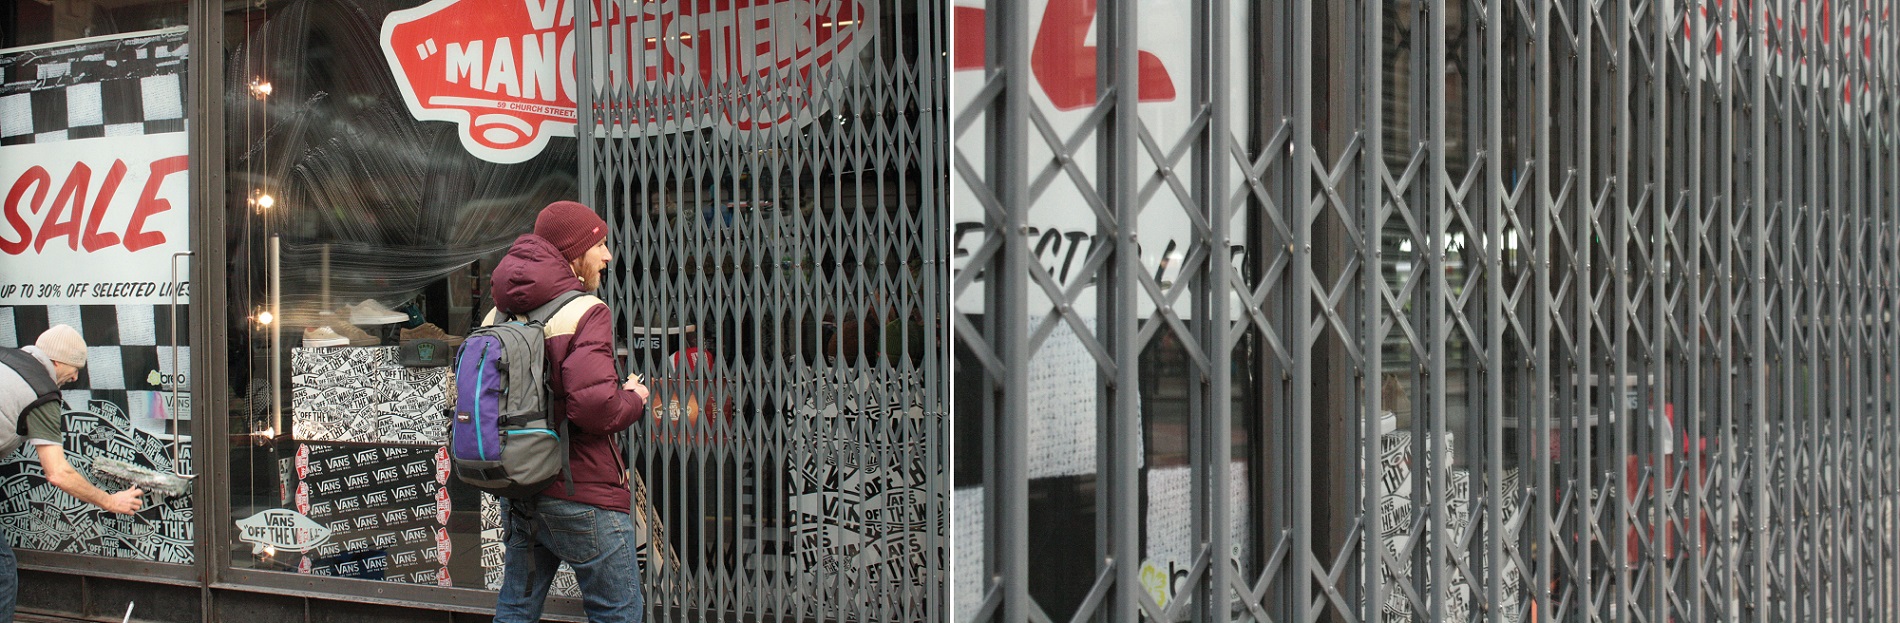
<point>502,438</point>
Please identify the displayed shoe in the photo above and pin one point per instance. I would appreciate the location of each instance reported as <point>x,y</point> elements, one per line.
<point>320,337</point>
<point>370,312</point>
<point>357,337</point>
<point>428,330</point>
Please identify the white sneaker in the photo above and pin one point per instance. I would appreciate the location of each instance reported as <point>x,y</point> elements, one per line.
<point>318,337</point>
<point>370,312</point>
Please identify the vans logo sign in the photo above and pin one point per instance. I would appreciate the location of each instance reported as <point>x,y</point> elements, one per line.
<point>280,528</point>
<point>505,71</point>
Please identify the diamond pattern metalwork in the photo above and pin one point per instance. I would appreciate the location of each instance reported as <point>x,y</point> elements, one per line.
<point>784,285</point>
<point>1621,271</point>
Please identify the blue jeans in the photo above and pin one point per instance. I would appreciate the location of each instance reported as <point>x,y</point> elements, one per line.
<point>597,543</point>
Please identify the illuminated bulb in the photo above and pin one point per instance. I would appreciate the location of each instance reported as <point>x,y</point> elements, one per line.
<point>260,89</point>
<point>264,318</point>
<point>266,201</point>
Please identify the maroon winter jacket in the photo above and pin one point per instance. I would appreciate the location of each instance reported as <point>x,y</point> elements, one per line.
<point>580,371</point>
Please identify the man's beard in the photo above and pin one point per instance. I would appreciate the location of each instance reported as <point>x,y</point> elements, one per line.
<point>590,279</point>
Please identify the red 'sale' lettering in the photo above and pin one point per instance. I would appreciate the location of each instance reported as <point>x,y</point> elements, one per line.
<point>136,237</point>
<point>38,180</point>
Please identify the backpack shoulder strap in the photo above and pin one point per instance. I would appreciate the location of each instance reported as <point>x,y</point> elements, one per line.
<point>541,314</point>
<point>29,368</point>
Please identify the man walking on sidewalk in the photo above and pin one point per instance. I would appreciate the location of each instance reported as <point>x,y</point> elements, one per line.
<point>29,395</point>
<point>588,525</point>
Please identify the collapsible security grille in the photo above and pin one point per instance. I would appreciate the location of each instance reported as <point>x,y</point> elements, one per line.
<point>773,177</point>
<point>1488,310</point>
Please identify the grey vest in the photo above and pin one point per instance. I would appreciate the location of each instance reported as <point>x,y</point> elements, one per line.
<point>15,395</point>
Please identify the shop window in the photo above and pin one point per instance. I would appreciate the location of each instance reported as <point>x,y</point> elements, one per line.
<point>93,146</point>
<point>769,282</point>
<point>356,231</point>
<point>32,23</point>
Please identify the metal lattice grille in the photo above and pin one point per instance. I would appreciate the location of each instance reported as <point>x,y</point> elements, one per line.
<point>779,222</point>
<point>1463,310</point>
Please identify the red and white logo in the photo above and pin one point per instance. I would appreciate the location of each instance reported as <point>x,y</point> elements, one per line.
<point>303,462</point>
<point>442,505</point>
<point>303,498</point>
<point>303,566</point>
<point>442,577</point>
<point>505,71</point>
<point>1061,59</point>
<point>442,546</point>
<point>441,466</point>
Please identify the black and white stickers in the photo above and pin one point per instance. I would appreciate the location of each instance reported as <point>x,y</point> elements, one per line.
<point>387,509</point>
<point>364,395</point>
<point>37,515</point>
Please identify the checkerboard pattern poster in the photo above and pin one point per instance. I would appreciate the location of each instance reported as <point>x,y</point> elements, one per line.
<point>93,209</point>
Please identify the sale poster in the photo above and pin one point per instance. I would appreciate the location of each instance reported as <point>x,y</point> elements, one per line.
<point>93,214</point>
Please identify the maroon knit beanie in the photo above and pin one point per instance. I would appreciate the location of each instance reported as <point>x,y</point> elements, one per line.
<point>571,226</point>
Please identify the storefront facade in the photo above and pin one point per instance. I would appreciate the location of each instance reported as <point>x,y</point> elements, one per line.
<point>1425,311</point>
<point>253,212</point>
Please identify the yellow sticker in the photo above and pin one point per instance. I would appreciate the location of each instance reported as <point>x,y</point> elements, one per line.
<point>1155,580</point>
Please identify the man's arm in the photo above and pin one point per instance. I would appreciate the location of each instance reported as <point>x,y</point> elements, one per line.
<point>62,475</point>
<point>44,429</point>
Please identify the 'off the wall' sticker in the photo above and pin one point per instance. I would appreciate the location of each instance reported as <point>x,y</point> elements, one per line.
<point>283,529</point>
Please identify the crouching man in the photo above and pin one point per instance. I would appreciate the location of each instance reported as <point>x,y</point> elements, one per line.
<point>30,413</point>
